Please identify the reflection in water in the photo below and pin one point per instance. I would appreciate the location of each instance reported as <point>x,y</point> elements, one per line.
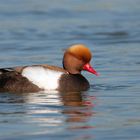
<point>71,109</point>
<point>78,107</point>
<point>75,106</point>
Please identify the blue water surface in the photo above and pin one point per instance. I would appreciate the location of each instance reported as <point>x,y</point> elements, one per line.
<point>38,32</point>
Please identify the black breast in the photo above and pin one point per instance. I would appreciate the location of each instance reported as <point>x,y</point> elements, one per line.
<point>73,82</point>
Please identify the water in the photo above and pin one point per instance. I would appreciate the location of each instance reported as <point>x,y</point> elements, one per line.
<point>34,32</point>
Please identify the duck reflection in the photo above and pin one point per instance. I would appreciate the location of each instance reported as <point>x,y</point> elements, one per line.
<point>54,108</point>
<point>78,106</point>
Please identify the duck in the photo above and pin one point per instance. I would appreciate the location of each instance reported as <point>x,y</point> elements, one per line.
<point>36,78</point>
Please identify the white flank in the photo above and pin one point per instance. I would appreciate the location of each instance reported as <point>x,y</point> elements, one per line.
<point>44,78</point>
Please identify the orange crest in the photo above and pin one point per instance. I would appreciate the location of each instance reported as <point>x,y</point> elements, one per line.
<point>81,52</point>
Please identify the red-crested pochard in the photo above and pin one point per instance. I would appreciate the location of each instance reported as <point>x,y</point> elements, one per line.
<point>46,77</point>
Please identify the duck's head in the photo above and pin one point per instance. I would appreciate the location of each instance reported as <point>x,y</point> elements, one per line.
<point>77,58</point>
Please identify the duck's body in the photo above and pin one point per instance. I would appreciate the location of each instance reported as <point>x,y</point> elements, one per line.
<point>45,77</point>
